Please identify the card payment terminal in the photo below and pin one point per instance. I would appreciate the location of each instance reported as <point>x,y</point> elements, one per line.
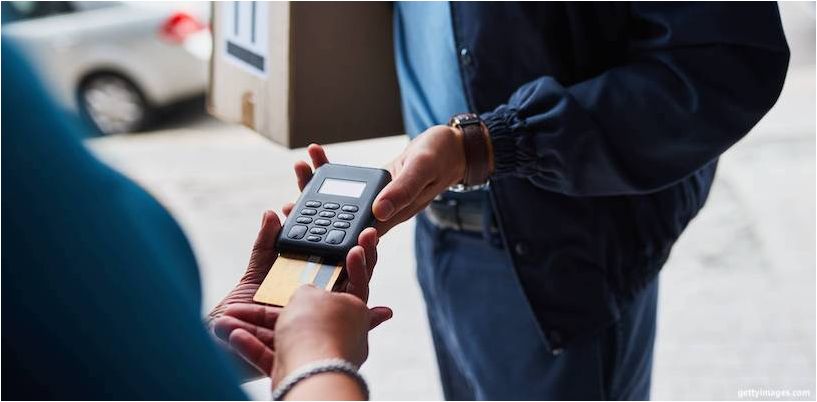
<point>334,207</point>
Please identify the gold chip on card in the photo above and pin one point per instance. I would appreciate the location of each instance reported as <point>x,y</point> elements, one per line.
<point>291,271</point>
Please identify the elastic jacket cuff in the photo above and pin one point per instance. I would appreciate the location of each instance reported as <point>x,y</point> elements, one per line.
<point>512,157</point>
<point>501,125</point>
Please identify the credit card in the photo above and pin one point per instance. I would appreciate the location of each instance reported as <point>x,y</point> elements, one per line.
<point>291,271</point>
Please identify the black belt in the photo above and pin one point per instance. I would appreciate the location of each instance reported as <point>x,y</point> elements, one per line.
<point>461,214</point>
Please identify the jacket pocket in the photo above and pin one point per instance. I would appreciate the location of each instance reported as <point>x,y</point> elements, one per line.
<point>637,233</point>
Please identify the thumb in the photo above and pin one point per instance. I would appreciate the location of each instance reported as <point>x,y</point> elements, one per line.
<point>379,315</point>
<point>263,250</point>
<point>403,189</point>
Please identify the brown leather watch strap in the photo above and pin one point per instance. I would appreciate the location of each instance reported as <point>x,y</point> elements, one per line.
<point>477,149</point>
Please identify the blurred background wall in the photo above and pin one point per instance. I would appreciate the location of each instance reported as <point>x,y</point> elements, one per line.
<point>737,298</point>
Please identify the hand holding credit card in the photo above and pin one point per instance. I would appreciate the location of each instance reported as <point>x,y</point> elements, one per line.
<point>246,328</point>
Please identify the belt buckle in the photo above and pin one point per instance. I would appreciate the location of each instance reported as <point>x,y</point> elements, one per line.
<point>444,213</point>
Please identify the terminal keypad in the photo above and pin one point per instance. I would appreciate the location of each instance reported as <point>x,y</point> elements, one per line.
<point>317,227</point>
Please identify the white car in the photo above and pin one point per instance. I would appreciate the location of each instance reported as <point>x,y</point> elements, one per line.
<point>114,62</point>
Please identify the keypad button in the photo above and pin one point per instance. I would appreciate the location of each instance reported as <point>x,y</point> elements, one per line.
<point>349,208</point>
<point>346,217</point>
<point>303,219</point>
<point>297,232</point>
<point>313,238</point>
<point>335,236</point>
<point>312,204</point>
<point>309,212</point>
<point>341,225</point>
<point>331,205</point>
<point>317,230</point>
<point>327,214</point>
<point>322,222</point>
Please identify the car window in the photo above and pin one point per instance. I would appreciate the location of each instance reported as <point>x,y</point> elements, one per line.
<point>94,5</point>
<point>26,10</point>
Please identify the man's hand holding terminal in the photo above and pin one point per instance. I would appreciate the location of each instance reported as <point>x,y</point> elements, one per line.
<point>434,161</point>
<point>431,163</point>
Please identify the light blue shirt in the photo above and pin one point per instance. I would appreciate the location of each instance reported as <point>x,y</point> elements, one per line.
<point>427,66</point>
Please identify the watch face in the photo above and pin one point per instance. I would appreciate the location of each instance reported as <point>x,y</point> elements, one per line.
<point>465,119</point>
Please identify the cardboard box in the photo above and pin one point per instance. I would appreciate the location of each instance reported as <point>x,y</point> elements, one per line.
<point>305,72</point>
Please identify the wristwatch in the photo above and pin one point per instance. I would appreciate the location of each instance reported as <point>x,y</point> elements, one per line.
<point>477,146</point>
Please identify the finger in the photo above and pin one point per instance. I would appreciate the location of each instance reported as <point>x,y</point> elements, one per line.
<point>287,208</point>
<point>226,324</point>
<point>303,173</point>
<point>422,201</point>
<point>268,234</point>
<point>305,295</point>
<point>358,283</point>
<point>379,315</point>
<point>256,314</point>
<point>408,213</point>
<point>263,250</point>
<point>368,240</point>
<point>401,192</point>
<point>253,350</point>
<point>317,154</point>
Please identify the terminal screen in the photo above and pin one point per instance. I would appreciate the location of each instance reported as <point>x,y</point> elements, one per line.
<point>346,188</point>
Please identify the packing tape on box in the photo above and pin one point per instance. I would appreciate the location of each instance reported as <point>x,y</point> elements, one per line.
<point>248,110</point>
<point>291,271</point>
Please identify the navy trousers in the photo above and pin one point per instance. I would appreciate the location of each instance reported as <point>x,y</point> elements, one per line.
<point>487,341</point>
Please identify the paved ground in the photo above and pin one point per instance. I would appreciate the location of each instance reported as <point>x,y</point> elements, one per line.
<point>737,304</point>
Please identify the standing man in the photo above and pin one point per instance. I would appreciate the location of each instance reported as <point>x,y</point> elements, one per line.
<point>592,139</point>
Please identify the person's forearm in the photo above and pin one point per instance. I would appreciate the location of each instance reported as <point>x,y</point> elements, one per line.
<point>326,386</point>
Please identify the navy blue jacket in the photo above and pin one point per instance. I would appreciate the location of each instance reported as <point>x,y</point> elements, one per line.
<point>607,120</point>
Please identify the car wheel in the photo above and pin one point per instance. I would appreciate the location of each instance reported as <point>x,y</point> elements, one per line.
<point>113,104</point>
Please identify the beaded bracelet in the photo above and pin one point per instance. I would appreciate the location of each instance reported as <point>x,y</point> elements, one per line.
<point>318,367</point>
